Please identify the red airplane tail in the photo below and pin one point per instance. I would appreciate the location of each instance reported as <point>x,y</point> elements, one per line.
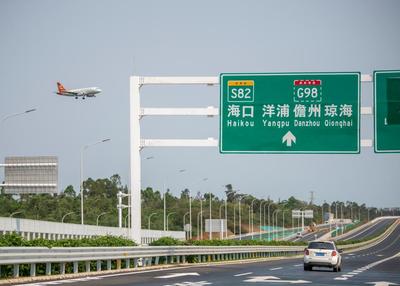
<point>60,87</point>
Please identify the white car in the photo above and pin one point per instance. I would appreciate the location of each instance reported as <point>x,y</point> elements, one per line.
<point>299,235</point>
<point>322,254</point>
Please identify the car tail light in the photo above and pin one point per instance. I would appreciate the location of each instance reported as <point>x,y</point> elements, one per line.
<point>306,252</point>
<point>334,253</point>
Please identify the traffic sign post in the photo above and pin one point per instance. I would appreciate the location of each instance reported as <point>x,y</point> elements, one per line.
<point>387,111</point>
<point>290,113</point>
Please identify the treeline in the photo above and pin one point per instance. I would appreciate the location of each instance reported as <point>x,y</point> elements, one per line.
<point>100,204</point>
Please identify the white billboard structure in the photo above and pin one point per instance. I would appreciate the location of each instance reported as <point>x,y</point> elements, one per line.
<point>302,214</point>
<point>30,175</point>
<point>217,225</point>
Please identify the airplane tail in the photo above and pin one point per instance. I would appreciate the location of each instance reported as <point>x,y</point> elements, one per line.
<point>60,87</point>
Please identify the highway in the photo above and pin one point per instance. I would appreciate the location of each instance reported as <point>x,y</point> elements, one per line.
<point>371,230</point>
<point>378,263</point>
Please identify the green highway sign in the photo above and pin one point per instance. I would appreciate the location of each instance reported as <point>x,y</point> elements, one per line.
<point>387,111</point>
<point>290,113</point>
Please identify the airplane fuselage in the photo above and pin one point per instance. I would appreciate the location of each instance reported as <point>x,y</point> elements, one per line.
<point>79,92</point>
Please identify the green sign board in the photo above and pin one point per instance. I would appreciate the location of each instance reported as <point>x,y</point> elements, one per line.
<point>387,111</point>
<point>290,113</point>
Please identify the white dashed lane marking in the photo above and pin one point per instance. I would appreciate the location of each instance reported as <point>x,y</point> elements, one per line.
<point>277,268</point>
<point>243,274</point>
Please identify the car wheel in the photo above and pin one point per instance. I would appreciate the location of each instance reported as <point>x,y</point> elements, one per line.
<point>335,269</point>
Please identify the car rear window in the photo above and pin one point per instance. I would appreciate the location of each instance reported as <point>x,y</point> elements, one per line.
<point>320,245</point>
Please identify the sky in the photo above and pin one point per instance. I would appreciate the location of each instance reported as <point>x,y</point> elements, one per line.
<point>102,43</point>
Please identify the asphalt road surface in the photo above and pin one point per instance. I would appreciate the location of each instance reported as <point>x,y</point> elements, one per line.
<point>375,264</point>
<point>370,230</point>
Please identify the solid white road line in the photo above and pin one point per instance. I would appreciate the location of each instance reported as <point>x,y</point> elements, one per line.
<point>277,268</point>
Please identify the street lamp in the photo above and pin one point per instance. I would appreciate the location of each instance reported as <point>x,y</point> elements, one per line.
<point>269,222</point>
<point>190,209</point>
<point>274,225</point>
<point>81,187</point>
<point>168,218</point>
<point>150,219</point>
<point>199,227</point>
<point>16,114</point>
<point>184,223</point>
<point>240,219</point>
<point>62,219</point>
<point>210,225</point>
<point>14,213</point>
<point>252,218</point>
<point>97,219</point>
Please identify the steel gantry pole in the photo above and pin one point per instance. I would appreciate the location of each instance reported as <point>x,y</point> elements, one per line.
<point>135,164</point>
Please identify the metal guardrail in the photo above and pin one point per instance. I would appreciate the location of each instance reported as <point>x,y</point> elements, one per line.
<point>142,256</point>
<point>132,257</point>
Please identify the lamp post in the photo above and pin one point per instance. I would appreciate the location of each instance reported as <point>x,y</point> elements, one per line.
<point>17,114</point>
<point>168,218</point>
<point>252,218</point>
<point>81,185</point>
<point>184,223</point>
<point>274,225</point>
<point>97,220</point>
<point>269,223</point>
<point>210,224</point>
<point>14,213</point>
<point>283,223</point>
<point>240,220</point>
<point>64,216</point>
<point>149,219</point>
<point>199,228</point>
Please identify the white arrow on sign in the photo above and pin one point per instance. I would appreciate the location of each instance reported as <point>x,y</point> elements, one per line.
<point>381,283</point>
<point>173,275</point>
<point>273,279</point>
<point>289,138</point>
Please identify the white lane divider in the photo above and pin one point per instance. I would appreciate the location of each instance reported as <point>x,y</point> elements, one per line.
<point>298,265</point>
<point>174,275</point>
<point>61,281</point>
<point>199,283</point>
<point>274,279</point>
<point>243,274</point>
<point>366,267</point>
<point>277,268</point>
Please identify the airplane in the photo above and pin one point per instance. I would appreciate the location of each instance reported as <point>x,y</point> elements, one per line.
<point>84,92</point>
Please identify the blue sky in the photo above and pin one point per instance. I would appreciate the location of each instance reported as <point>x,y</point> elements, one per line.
<point>102,43</point>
